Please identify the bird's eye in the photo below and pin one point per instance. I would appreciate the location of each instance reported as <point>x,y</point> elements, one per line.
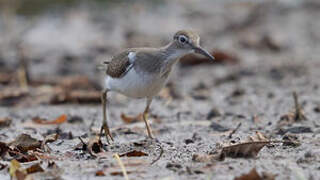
<point>182,39</point>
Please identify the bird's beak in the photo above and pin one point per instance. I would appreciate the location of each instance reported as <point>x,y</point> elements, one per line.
<point>200,50</point>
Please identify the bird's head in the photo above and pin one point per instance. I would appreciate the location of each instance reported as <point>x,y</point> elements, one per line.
<point>190,41</point>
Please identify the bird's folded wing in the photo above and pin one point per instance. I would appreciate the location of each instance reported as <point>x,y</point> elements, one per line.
<point>119,65</point>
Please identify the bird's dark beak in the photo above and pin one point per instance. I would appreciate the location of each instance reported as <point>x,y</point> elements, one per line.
<point>200,50</point>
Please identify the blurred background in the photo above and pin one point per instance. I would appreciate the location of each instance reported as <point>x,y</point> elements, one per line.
<point>44,42</point>
<point>265,50</point>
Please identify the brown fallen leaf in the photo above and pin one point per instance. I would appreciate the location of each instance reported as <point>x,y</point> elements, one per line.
<point>61,119</point>
<point>249,148</point>
<point>3,148</point>
<point>14,166</point>
<point>100,173</point>
<point>5,122</point>
<point>34,168</point>
<point>120,173</point>
<point>134,153</point>
<point>25,142</point>
<point>130,119</point>
<point>22,158</point>
<point>246,149</point>
<point>19,173</point>
<point>252,175</point>
<point>48,139</point>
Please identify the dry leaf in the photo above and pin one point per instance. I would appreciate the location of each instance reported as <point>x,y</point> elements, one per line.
<point>5,122</point>
<point>252,175</point>
<point>14,166</point>
<point>3,148</point>
<point>61,119</point>
<point>134,153</point>
<point>120,173</point>
<point>249,148</point>
<point>48,139</point>
<point>22,157</point>
<point>25,142</point>
<point>100,173</point>
<point>20,175</point>
<point>34,168</point>
<point>128,119</point>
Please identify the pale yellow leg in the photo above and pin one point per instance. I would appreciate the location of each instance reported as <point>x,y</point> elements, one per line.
<point>145,117</point>
<point>105,126</point>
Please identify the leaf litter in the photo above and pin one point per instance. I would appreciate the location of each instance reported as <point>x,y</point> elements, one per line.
<point>246,149</point>
<point>254,175</point>
<point>61,119</point>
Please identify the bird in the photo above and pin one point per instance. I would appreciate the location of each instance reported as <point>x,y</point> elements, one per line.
<point>143,72</point>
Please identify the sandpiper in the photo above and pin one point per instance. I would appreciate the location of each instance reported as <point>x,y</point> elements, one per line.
<point>142,72</point>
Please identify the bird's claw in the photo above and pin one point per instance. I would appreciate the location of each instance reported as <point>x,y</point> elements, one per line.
<point>107,132</point>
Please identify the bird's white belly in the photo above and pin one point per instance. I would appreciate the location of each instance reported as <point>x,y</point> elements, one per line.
<point>136,85</point>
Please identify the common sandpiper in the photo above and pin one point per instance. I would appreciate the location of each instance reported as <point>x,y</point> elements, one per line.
<point>143,72</point>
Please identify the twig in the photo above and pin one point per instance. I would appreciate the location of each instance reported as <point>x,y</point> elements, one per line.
<point>84,145</point>
<point>23,69</point>
<point>234,131</point>
<point>298,110</point>
<point>116,156</point>
<point>160,155</point>
<point>81,140</point>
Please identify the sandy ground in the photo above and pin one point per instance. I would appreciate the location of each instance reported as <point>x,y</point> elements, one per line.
<point>278,49</point>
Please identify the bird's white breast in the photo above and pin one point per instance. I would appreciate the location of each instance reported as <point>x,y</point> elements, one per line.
<point>136,84</point>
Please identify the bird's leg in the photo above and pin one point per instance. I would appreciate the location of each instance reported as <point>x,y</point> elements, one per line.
<point>105,126</point>
<point>145,117</point>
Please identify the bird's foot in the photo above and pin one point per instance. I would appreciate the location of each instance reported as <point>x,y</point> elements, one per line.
<point>105,128</point>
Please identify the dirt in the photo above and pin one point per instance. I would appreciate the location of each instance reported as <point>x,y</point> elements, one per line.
<point>277,44</point>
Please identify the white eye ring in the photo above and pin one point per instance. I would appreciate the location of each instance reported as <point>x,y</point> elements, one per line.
<point>182,39</point>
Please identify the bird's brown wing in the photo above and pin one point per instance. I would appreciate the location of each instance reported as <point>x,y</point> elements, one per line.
<point>119,65</point>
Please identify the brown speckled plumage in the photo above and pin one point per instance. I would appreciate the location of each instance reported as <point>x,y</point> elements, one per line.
<point>118,65</point>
